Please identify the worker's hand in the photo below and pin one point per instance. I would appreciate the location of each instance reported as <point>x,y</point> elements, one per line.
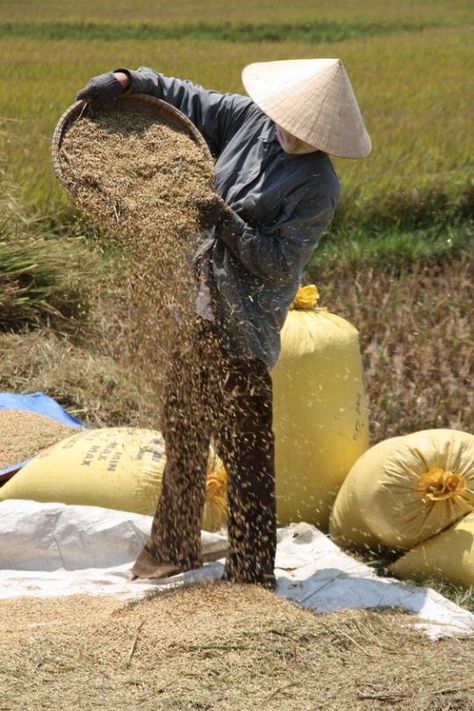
<point>101,88</point>
<point>213,212</point>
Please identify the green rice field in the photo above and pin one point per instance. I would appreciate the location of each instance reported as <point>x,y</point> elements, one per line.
<point>411,64</point>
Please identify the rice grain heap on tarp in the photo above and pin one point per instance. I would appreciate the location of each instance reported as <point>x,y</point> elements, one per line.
<point>142,180</point>
<point>23,434</point>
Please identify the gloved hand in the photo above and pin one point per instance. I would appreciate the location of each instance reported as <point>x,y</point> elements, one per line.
<point>214,212</point>
<point>101,88</point>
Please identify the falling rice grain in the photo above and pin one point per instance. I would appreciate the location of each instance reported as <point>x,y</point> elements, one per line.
<point>143,180</point>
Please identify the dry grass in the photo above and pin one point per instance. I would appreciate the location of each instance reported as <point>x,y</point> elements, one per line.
<point>417,342</point>
<point>88,383</point>
<point>43,278</point>
<point>225,648</point>
<point>416,338</point>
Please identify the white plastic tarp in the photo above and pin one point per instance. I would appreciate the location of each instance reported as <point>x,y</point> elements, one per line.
<point>50,550</point>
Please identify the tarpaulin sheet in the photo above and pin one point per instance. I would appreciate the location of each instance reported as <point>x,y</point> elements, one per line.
<point>50,550</point>
<point>41,404</point>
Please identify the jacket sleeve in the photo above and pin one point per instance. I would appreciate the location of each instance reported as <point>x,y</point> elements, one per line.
<point>276,253</point>
<point>216,115</point>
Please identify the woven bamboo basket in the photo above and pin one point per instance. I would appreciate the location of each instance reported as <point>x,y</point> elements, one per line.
<point>138,103</point>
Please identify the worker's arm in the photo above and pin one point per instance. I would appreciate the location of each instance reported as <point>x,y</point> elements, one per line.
<point>277,252</point>
<point>216,115</point>
<point>103,87</point>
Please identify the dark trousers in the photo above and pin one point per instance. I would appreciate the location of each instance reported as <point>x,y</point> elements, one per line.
<point>209,396</point>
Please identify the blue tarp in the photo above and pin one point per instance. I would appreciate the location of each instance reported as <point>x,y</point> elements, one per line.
<point>41,404</point>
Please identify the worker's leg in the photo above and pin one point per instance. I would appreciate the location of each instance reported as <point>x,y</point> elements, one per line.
<point>175,541</point>
<point>246,445</point>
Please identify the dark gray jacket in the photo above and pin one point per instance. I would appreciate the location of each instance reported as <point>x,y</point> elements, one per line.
<point>282,204</point>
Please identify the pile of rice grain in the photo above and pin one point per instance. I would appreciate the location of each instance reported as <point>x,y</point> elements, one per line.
<point>23,434</point>
<point>134,173</point>
<point>143,180</point>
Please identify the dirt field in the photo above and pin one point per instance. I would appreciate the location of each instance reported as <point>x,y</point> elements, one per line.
<point>225,648</point>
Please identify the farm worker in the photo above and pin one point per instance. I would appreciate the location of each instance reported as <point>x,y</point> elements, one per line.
<point>276,192</point>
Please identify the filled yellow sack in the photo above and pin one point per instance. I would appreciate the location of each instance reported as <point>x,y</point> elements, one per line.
<point>449,555</point>
<point>405,490</point>
<point>320,415</point>
<point>117,468</point>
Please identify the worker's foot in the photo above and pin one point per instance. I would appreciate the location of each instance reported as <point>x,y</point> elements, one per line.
<point>155,572</point>
<point>146,567</point>
<point>269,582</point>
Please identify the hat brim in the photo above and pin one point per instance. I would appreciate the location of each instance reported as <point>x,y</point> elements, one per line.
<point>313,100</point>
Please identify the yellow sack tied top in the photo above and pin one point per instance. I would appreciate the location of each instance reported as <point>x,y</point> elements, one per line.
<point>319,414</point>
<point>306,298</point>
<point>405,490</point>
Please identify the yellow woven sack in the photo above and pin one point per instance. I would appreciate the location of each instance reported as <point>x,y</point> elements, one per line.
<point>406,489</point>
<point>449,555</point>
<point>117,468</point>
<point>215,509</point>
<point>320,411</point>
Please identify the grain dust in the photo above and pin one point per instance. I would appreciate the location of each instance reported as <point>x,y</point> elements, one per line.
<point>23,434</point>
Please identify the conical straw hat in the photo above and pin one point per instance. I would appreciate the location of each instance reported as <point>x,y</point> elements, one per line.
<point>313,100</point>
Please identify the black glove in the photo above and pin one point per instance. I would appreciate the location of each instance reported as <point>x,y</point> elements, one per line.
<point>213,212</point>
<point>100,88</point>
